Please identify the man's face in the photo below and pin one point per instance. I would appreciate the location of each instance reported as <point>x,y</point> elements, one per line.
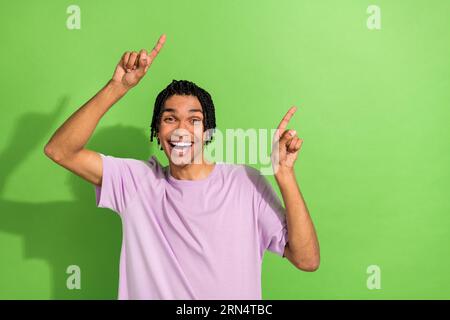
<point>181,129</point>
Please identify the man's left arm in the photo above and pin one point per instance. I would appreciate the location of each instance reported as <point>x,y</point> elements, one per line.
<point>302,248</point>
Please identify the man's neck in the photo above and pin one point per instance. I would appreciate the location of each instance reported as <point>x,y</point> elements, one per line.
<point>192,171</point>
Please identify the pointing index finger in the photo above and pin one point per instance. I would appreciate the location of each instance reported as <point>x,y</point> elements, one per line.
<point>284,122</point>
<point>158,46</point>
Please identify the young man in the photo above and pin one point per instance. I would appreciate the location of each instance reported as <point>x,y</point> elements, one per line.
<point>193,229</point>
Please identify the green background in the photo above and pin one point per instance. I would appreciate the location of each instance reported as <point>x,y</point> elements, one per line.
<point>373,113</point>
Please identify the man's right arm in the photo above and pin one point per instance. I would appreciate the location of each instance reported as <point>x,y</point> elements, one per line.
<point>67,145</point>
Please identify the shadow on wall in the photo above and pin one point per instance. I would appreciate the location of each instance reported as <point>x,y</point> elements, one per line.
<point>68,232</point>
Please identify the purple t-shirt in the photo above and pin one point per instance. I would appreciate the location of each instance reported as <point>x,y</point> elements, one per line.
<point>191,239</point>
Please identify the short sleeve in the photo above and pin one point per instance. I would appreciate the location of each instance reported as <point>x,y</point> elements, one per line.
<point>120,182</point>
<point>271,219</point>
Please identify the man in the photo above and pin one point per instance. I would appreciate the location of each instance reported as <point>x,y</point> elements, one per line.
<point>193,229</point>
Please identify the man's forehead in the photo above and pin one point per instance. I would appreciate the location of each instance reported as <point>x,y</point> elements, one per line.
<point>180,109</point>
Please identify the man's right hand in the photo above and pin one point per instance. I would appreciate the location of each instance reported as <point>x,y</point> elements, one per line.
<point>133,66</point>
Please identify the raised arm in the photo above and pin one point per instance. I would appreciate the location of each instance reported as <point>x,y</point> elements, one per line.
<point>302,248</point>
<point>66,146</point>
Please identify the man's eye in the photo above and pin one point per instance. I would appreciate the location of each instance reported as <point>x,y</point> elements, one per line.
<point>196,120</point>
<point>168,119</point>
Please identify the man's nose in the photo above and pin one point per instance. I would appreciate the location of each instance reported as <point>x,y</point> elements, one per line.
<point>180,134</point>
<point>182,125</point>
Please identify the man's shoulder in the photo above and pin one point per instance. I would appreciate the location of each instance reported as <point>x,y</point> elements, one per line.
<point>137,165</point>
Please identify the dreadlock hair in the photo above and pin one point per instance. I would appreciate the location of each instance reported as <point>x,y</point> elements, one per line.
<point>184,87</point>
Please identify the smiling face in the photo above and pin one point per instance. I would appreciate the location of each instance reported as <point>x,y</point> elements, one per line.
<point>181,129</point>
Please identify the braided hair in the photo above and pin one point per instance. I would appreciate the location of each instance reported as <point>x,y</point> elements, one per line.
<point>184,87</point>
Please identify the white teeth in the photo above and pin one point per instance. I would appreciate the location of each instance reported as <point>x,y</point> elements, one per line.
<point>182,144</point>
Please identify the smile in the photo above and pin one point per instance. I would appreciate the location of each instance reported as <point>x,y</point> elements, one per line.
<point>180,144</point>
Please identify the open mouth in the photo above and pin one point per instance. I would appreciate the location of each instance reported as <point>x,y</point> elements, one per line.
<point>180,146</point>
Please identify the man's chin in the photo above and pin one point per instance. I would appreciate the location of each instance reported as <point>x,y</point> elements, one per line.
<point>182,160</point>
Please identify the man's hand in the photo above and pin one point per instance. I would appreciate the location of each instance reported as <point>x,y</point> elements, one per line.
<point>286,146</point>
<point>133,66</point>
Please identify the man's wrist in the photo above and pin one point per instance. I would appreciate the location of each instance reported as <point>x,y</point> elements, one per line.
<point>117,87</point>
<point>285,175</point>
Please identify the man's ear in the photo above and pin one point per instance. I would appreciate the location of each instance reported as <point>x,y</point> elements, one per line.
<point>159,143</point>
<point>208,135</point>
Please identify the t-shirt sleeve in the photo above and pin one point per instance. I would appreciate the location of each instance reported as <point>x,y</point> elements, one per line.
<point>120,182</point>
<point>271,218</point>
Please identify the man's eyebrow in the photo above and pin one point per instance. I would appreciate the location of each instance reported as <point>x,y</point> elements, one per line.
<point>165,109</point>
